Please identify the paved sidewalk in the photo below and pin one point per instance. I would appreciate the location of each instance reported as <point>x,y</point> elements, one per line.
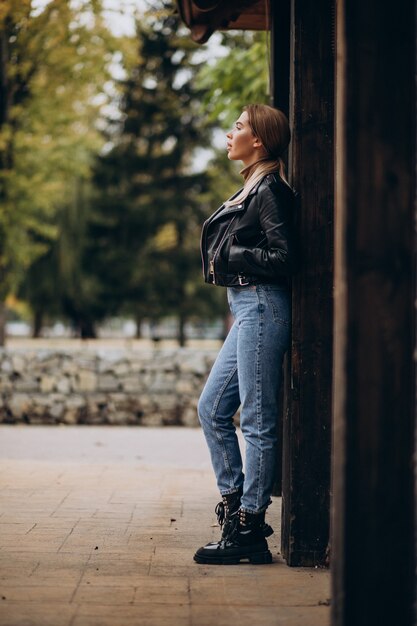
<point>98,527</point>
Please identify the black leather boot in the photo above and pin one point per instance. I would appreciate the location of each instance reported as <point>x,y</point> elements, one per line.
<point>229,506</point>
<point>266,528</point>
<point>226,509</point>
<point>244,541</point>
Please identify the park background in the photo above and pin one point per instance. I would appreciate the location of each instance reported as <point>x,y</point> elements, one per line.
<point>348,420</point>
<point>112,154</point>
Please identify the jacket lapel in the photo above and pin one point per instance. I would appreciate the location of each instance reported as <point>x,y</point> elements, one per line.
<point>225,210</point>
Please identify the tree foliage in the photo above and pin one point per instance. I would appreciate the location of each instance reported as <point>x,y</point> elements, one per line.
<point>101,215</point>
<point>240,77</point>
<point>147,217</point>
<point>53,64</point>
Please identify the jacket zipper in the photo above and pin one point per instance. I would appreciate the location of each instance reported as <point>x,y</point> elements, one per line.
<point>204,233</point>
<point>202,239</point>
<point>211,265</point>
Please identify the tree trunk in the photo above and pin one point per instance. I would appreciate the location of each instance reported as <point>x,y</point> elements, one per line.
<point>87,329</point>
<point>138,320</point>
<point>2,324</point>
<point>4,54</point>
<point>37,324</point>
<point>182,318</point>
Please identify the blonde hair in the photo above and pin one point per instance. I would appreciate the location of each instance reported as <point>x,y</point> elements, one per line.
<point>271,127</point>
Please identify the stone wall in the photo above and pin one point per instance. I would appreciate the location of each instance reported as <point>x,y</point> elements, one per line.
<point>153,388</point>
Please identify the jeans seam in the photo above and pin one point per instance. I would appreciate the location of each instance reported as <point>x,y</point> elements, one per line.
<point>214,421</point>
<point>259,396</point>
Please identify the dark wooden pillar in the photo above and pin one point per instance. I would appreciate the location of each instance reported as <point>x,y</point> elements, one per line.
<point>373,547</point>
<point>307,418</point>
<point>280,20</point>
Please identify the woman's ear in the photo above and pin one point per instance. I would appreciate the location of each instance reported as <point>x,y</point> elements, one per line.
<point>258,145</point>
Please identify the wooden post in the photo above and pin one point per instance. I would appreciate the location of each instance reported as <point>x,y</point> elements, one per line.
<point>307,418</point>
<point>280,96</point>
<point>373,546</point>
<point>280,19</point>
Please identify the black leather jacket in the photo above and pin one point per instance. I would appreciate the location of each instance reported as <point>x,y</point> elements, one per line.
<point>252,242</point>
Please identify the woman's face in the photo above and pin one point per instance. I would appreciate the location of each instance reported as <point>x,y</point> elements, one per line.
<point>242,145</point>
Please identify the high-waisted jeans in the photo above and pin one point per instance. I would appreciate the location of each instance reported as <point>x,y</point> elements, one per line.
<point>247,373</point>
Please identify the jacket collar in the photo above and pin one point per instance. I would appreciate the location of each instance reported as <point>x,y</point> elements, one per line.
<point>222,210</point>
<point>256,187</point>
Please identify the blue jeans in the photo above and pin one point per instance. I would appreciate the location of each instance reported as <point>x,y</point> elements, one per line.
<point>247,373</point>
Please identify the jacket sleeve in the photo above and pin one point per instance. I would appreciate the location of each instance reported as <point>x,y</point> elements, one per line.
<point>276,258</point>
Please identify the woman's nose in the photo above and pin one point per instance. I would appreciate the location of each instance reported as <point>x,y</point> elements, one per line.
<point>229,134</point>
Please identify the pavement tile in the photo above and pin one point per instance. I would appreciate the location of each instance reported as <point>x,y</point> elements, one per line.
<point>168,590</point>
<point>73,513</point>
<point>112,544</point>
<point>105,594</point>
<point>40,546</point>
<point>164,555</point>
<point>15,528</point>
<point>36,613</point>
<point>234,591</point>
<point>221,615</point>
<point>38,593</point>
<point>22,513</point>
<point>136,615</point>
<point>115,568</point>
<point>245,570</point>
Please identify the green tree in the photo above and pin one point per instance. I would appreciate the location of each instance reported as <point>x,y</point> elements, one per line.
<point>53,63</point>
<point>60,282</point>
<point>130,244</point>
<point>147,218</point>
<point>240,77</point>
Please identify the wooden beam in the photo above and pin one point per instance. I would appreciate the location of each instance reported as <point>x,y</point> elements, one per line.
<point>203,17</point>
<point>373,547</point>
<point>307,420</point>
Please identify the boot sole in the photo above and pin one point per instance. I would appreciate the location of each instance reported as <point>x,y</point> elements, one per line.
<point>256,558</point>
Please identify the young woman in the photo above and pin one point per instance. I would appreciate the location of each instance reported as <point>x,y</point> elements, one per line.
<point>247,246</point>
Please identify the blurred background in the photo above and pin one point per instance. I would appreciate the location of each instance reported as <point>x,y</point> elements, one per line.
<point>112,154</point>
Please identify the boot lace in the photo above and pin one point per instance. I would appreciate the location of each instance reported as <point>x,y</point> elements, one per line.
<point>220,511</point>
<point>232,532</point>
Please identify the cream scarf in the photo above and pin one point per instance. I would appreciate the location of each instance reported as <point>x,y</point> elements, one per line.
<point>254,173</point>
